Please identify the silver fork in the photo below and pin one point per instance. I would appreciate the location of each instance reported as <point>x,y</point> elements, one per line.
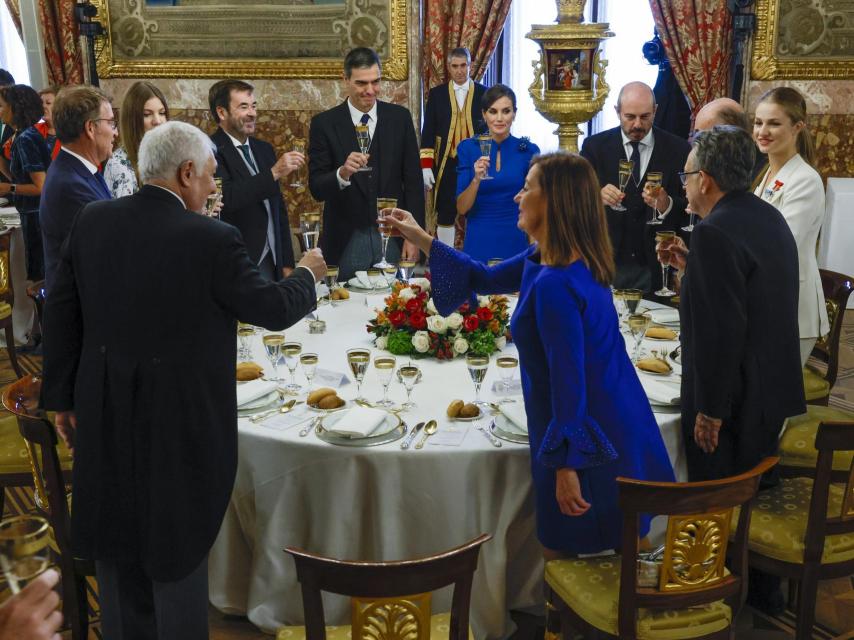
<point>311,425</point>
<point>489,435</point>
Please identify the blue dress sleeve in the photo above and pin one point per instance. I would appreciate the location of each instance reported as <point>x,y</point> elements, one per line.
<point>32,151</point>
<point>573,438</point>
<point>465,164</point>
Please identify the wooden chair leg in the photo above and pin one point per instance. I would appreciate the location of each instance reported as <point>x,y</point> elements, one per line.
<point>10,347</point>
<point>807,593</point>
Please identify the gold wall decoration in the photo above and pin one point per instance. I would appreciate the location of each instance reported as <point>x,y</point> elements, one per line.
<point>695,551</point>
<point>275,39</point>
<point>809,40</point>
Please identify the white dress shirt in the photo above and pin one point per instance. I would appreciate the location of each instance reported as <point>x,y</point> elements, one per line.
<point>91,167</point>
<point>461,91</point>
<point>356,117</point>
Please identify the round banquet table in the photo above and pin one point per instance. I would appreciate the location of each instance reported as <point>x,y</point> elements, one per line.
<point>382,503</point>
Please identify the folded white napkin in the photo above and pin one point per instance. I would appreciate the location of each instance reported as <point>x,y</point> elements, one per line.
<point>358,422</point>
<point>665,316</point>
<point>660,391</point>
<point>515,414</point>
<point>364,280</point>
<point>252,390</point>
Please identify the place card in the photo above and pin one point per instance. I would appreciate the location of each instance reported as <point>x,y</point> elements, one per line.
<point>449,435</point>
<point>513,389</point>
<point>329,378</point>
<point>285,421</point>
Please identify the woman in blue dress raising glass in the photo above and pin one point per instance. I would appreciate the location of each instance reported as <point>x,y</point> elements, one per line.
<point>589,420</point>
<point>487,183</point>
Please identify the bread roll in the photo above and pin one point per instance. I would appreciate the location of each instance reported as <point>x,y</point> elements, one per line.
<point>249,371</point>
<point>454,408</point>
<point>661,333</point>
<point>339,294</point>
<point>469,411</point>
<point>654,365</point>
<point>330,402</point>
<point>317,395</point>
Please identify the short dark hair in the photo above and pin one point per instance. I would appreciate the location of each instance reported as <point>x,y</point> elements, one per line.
<point>74,107</point>
<point>734,117</point>
<point>726,153</point>
<point>360,58</point>
<point>220,94</point>
<point>460,52</point>
<point>26,105</point>
<point>496,92</point>
<point>6,78</point>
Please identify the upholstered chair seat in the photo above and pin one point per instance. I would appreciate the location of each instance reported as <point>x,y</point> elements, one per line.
<point>440,625</point>
<point>815,385</point>
<point>797,444</point>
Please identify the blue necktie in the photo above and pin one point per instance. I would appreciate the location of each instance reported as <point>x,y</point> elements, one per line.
<point>635,158</point>
<point>244,149</point>
<point>100,178</point>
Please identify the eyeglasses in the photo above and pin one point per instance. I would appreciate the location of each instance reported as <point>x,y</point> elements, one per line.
<point>683,176</point>
<point>113,124</point>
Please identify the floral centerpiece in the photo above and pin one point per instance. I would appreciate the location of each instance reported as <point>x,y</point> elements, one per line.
<point>410,324</point>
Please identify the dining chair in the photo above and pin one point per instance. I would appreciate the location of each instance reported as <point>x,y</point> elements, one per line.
<point>837,288</point>
<point>804,529</point>
<point>696,593</point>
<point>389,600</point>
<point>7,297</point>
<point>798,455</point>
<point>36,293</point>
<point>50,475</point>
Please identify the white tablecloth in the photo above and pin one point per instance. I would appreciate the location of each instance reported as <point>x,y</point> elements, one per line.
<point>381,503</point>
<point>836,247</point>
<point>22,310</point>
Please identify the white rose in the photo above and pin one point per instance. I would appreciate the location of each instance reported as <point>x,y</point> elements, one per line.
<point>461,345</point>
<point>483,301</point>
<point>421,341</point>
<point>500,343</point>
<point>424,283</point>
<point>431,308</point>
<point>381,342</point>
<point>437,324</point>
<point>406,294</point>
<point>455,321</point>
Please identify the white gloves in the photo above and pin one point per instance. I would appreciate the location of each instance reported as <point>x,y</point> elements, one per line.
<point>429,179</point>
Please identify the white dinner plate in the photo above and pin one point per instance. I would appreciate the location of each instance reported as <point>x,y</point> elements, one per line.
<point>506,424</point>
<point>390,422</point>
<point>357,285</point>
<point>263,401</point>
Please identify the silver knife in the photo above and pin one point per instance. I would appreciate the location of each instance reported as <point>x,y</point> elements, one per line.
<point>408,441</point>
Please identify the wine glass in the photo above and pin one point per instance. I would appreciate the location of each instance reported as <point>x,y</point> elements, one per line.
<point>485,142</point>
<point>665,291</point>
<point>332,281</point>
<point>309,366</point>
<point>299,145</point>
<point>384,228</point>
<point>406,269</point>
<point>507,366</point>
<point>652,187</point>
<point>309,223</point>
<point>390,274</point>
<point>363,137</point>
<point>385,365</point>
<point>375,277</point>
<point>638,324</point>
<point>213,200</point>
<point>690,226</point>
<point>408,374</point>
<point>620,303</point>
<point>477,366</point>
<point>632,298</point>
<point>290,352</point>
<point>273,346</point>
<point>359,359</point>
<point>244,333</point>
<point>624,174</point>
<point>24,549</point>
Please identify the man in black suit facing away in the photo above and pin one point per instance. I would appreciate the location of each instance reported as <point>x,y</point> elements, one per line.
<point>251,196</point>
<point>650,149</point>
<point>139,357</point>
<point>350,237</point>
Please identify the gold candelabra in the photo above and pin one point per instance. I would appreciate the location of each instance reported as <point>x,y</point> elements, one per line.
<point>569,78</point>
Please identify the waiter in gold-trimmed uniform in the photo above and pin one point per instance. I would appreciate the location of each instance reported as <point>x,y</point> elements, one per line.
<point>452,114</point>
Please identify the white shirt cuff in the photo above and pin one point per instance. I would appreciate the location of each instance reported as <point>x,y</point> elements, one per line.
<point>669,206</point>
<point>342,183</point>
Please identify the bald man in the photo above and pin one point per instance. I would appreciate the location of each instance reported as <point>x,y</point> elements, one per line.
<point>728,111</point>
<point>650,149</point>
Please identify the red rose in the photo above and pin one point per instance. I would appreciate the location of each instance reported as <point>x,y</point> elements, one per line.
<point>397,318</point>
<point>464,309</point>
<point>413,305</point>
<point>484,314</point>
<point>418,320</point>
<point>471,323</point>
<point>422,296</point>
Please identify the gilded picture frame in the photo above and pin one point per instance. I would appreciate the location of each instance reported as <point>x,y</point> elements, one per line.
<point>246,39</point>
<point>805,40</point>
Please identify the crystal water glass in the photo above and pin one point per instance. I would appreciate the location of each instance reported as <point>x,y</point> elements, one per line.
<point>273,347</point>
<point>358,360</point>
<point>507,366</point>
<point>291,352</point>
<point>408,375</point>
<point>384,366</point>
<point>309,361</point>
<point>638,324</point>
<point>477,366</point>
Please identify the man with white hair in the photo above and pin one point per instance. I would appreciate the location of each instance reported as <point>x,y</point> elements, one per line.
<point>139,357</point>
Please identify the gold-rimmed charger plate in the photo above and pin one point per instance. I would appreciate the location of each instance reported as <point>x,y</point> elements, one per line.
<point>501,428</point>
<point>393,429</point>
<point>264,402</point>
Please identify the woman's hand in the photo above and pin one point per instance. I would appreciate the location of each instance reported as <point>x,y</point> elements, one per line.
<point>403,222</point>
<point>568,493</point>
<point>481,168</point>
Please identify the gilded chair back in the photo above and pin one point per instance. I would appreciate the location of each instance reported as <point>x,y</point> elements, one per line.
<point>837,288</point>
<point>693,570</point>
<point>7,293</point>
<point>831,437</point>
<point>390,600</point>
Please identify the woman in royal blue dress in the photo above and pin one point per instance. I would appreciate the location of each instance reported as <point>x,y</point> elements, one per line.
<point>486,185</point>
<point>589,420</point>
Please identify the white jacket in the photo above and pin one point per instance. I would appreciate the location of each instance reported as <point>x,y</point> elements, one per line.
<point>798,194</point>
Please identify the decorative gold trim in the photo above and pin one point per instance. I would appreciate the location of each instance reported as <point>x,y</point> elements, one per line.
<point>137,27</point>
<point>400,618</point>
<point>695,551</point>
<point>768,65</point>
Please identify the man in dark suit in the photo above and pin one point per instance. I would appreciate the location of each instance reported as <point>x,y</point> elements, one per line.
<point>251,196</point>
<point>86,127</point>
<point>139,365</point>
<point>350,236</point>
<point>453,113</point>
<point>741,372</point>
<point>650,149</point>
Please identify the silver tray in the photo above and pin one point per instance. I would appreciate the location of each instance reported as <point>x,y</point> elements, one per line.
<point>396,433</point>
<point>503,434</point>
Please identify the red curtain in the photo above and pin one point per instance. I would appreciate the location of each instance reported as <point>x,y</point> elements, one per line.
<point>475,24</point>
<point>61,50</point>
<point>697,38</point>
<point>15,12</point>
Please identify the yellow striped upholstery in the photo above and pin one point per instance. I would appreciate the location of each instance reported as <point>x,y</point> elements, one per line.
<point>815,386</point>
<point>5,310</point>
<point>797,444</point>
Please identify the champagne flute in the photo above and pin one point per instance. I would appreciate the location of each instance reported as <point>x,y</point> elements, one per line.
<point>485,141</point>
<point>406,269</point>
<point>384,227</point>
<point>244,333</point>
<point>309,366</point>
<point>363,137</point>
<point>638,324</point>
<point>477,366</point>
<point>652,187</point>
<point>299,146</point>
<point>624,174</point>
<point>24,549</point>
<point>507,366</point>
<point>273,346</point>
<point>310,229</point>
<point>359,359</point>
<point>408,375</point>
<point>291,352</point>
<point>213,200</point>
<point>385,365</point>
<point>690,226</point>
<point>665,291</point>
<point>332,281</point>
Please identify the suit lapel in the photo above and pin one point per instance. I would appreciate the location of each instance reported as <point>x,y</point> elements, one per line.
<point>87,176</point>
<point>230,155</point>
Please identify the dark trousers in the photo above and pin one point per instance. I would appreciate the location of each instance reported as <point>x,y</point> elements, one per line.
<point>135,607</point>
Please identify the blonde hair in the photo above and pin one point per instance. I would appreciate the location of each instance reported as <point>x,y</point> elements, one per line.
<point>795,107</point>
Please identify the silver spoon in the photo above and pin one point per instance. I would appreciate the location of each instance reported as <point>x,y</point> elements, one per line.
<point>290,404</point>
